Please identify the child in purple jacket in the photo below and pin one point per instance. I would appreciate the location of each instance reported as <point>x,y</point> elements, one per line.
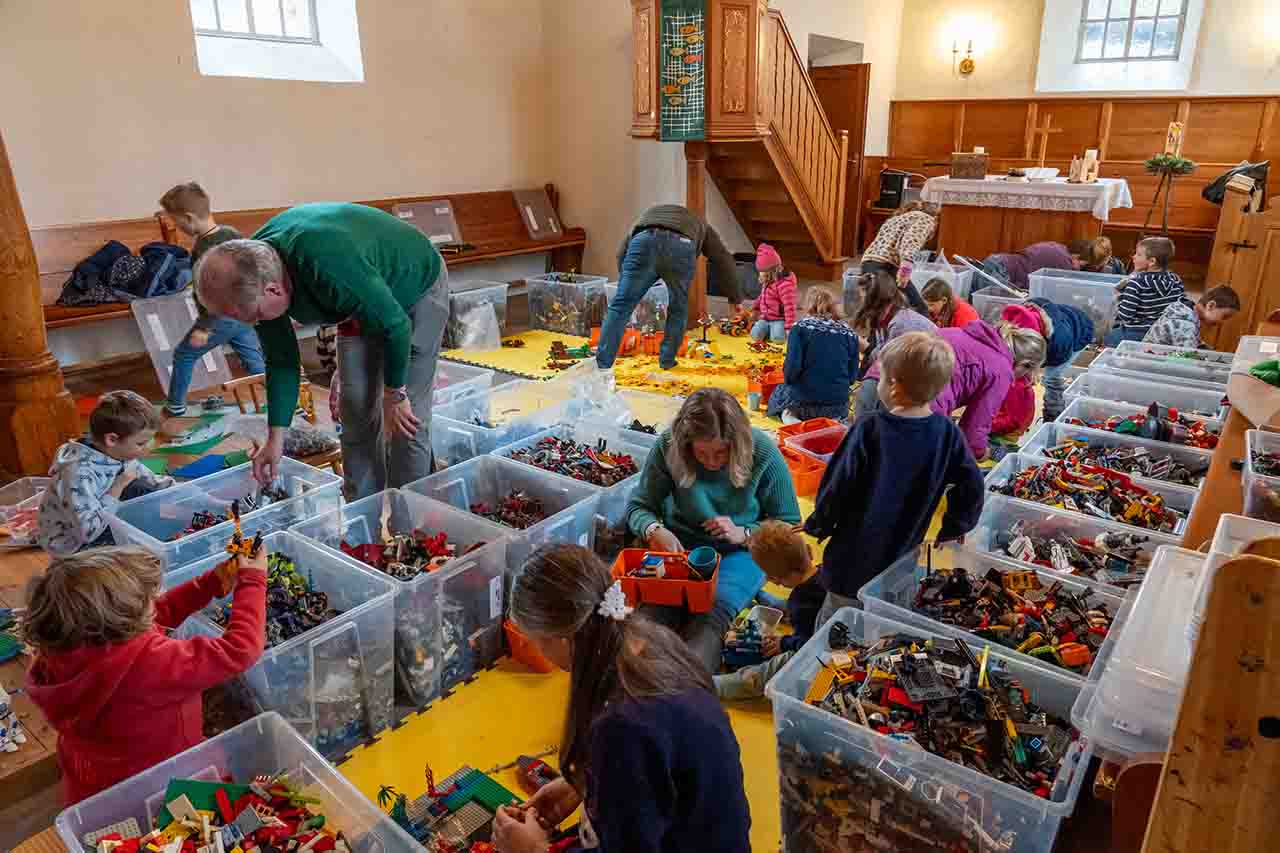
<point>988,359</point>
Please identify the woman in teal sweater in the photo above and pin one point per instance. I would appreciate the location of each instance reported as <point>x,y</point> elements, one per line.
<point>710,480</point>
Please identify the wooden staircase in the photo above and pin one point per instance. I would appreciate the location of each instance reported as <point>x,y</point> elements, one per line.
<point>769,146</point>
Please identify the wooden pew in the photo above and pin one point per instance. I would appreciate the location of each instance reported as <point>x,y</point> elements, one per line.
<point>490,221</point>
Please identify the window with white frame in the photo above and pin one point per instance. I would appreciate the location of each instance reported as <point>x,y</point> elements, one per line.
<point>310,40</point>
<point>1131,30</point>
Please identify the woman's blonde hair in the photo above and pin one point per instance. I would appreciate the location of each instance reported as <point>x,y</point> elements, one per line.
<point>94,598</point>
<point>820,301</point>
<point>711,414</point>
<point>1028,347</point>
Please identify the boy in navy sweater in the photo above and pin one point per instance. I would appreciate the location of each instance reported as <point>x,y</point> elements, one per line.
<point>787,560</point>
<point>882,487</point>
<point>1146,294</point>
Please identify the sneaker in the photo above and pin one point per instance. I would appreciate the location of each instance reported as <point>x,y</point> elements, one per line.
<point>169,412</point>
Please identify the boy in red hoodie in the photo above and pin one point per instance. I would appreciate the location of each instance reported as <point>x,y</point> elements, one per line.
<point>776,305</point>
<point>119,691</point>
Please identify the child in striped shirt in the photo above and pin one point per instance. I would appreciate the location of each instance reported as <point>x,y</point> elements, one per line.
<point>1146,294</point>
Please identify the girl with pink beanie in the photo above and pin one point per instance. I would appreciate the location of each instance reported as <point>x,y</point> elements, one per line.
<point>776,305</point>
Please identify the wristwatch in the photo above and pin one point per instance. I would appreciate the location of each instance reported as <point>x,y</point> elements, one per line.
<point>395,395</point>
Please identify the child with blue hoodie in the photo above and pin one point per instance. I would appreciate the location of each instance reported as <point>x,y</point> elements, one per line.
<point>93,474</point>
<point>1066,330</point>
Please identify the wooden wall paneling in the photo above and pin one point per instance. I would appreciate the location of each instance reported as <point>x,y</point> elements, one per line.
<point>957,128</point>
<point>1219,131</point>
<point>1104,129</point>
<point>1268,144</point>
<point>1079,121</point>
<point>923,129</point>
<point>1029,132</point>
<point>1138,128</point>
<point>998,126</point>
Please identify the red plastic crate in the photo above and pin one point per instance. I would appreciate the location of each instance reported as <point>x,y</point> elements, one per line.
<point>675,590</point>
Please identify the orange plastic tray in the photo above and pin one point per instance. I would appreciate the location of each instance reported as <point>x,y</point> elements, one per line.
<point>675,590</point>
<point>806,472</point>
<point>523,649</point>
<point>801,428</point>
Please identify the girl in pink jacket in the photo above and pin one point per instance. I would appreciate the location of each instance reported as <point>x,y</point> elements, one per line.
<point>776,305</point>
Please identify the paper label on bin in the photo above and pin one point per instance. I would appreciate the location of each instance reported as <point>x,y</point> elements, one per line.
<point>441,238</point>
<point>1268,346</point>
<point>209,363</point>
<point>405,214</point>
<point>157,329</point>
<point>442,211</point>
<point>495,597</point>
<point>1127,726</point>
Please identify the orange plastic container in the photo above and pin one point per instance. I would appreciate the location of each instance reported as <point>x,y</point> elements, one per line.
<point>785,432</point>
<point>768,384</point>
<point>523,649</point>
<point>675,590</point>
<point>806,472</point>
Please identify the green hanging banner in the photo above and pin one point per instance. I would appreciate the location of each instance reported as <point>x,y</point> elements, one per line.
<point>683,83</point>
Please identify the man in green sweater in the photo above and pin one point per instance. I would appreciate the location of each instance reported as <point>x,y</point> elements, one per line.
<point>386,286</point>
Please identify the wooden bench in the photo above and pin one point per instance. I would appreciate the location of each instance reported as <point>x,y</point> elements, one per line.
<point>489,221</point>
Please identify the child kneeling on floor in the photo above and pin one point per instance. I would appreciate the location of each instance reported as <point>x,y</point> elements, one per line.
<point>93,474</point>
<point>121,694</point>
<point>787,560</point>
<point>885,481</point>
<point>776,304</point>
<point>821,364</point>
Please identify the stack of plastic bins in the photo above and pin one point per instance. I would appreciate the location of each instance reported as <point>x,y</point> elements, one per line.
<point>989,305</point>
<point>839,778</point>
<point>1130,701</point>
<point>455,381</point>
<point>923,271</point>
<point>1049,435</point>
<point>628,406</point>
<point>1261,491</point>
<point>1000,513</point>
<point>448,623</point>
<point>1254,349</point>
<point>463,302</point>
<point>263,746</point>
<point>570,505</point>
<point>820,444</point>
<point>1091,292</point>
<point>1201,356</point>
<point>480,423</point>
<point>651,310</point>
<point>1180,499</point>
<point>21,496</point>
<point>568,304</point>
<point>1202,403</point>
<point>1187,374</point>
<point>334,682</point>
<point>892,594</point>
<point>153,520</point>
<point>1233,536</point>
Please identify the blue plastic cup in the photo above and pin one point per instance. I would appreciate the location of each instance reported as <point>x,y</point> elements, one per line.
<point>702,560</point>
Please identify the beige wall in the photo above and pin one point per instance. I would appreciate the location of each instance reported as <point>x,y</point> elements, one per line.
<point>104,109</point>
<point>1239,49</point>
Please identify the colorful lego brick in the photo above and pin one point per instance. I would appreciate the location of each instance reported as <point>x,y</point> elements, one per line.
<point>127,828</point>
<point>200,796</point>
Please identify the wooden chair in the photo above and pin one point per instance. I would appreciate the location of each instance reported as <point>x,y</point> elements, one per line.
<point>250,394</point>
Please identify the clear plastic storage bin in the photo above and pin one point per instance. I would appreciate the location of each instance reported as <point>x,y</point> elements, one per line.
<point>635,444</point>
<point>1180,499</point>
<point>1261,491</point>
<point>1130,702</point>
<point>448,623</point>
<point>1201,356</point>
<point>1093,293</point>
<point>650,312</point>
<point>21,494</point>
<point>1187,374</point>
<point>1195,460</point>
<point>263,746</point>
<point>463,304</point>
<point>482,422</point>
<point>1202,403</point>
<point>334,682</point>
<point>892,594</point>
<point>826,760</point>
<point>1254,349</point>
<point>990,304</point>
<point>999,513</point>
<point>153,520</point>
<point>820,444</point>
<point>923,271</point>
<point>1232,537</point>
<point>568,304</point>
<point>570,505</point>
<point>628,406</point>
<point>455,381</point>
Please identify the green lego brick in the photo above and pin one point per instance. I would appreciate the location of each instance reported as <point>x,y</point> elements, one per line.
<point>202,794</point>
<point>476,786</point>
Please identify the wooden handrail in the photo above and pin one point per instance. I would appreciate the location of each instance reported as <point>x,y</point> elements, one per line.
<point>776,17</point>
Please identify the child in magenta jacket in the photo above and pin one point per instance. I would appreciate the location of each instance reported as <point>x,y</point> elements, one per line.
<point>988,360</point>
<point>776,305</point>
<point>121,693</point>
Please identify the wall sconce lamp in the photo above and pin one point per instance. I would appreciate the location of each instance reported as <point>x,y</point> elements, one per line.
<point>966,66</point>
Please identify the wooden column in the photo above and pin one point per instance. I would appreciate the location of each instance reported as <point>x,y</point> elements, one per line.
<point>695,155</point>
<point>646,20</point>
<point>36,412</point>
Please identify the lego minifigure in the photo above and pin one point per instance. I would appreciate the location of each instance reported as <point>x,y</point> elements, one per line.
<point>11,734</point>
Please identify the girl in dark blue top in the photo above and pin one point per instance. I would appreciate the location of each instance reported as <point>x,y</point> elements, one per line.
<point>646,744</point>
<point>821,364</point>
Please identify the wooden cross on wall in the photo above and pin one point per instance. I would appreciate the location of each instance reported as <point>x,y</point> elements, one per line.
<point>1043,132</point>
